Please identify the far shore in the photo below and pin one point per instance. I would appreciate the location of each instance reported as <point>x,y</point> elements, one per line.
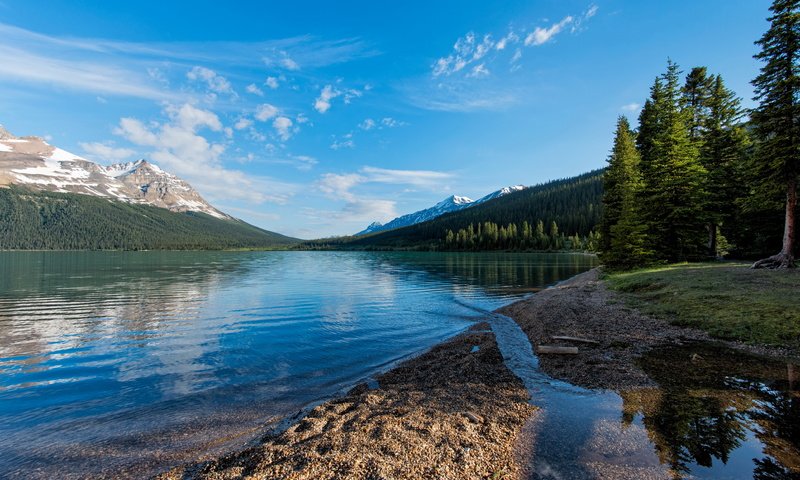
<point>456,411</point>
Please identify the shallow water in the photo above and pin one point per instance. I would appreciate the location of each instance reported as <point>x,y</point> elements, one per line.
<point>724,415</point>
<point>715,413</point>
<point>132,362</point>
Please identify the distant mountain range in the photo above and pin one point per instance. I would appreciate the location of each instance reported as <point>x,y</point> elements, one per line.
<point>32,162</point>
<point>449,204</point>
<point>574,204</point>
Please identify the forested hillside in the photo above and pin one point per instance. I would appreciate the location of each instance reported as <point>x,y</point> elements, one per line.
<point>65,221</point>
<point>573,204</point>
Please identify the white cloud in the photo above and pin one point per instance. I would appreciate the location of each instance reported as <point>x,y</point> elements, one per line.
<point>106,152</point>
<point>340,144</point>
<point>509,39</point>
<point>473,54</point>
<point>265,111</point>
<point>144,70</point>
<point>215,83</point>
<point>358,208</point>
<point>483,48</point>
<point>390,122</point>
<point>96,77</point>
<point>631,107</point>
<point>271,82</point>
<point>337,186</point>
<point>417,178</point>
<point>323,103</point>
<point>368,210</point>
<point>283,126</point>
<point>178,146</point>
<point>304,162</point>
<point>479,71</point>
<point>367,124</point>
<point>465,51</point>
<point>252,88</point>
<point>540,36</point>
<point>242,123</point>
<point>289,64</point>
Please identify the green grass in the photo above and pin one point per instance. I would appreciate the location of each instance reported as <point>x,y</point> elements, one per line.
<point>728,300</point>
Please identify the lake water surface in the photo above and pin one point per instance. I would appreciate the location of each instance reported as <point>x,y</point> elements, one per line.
<point>130,362</point>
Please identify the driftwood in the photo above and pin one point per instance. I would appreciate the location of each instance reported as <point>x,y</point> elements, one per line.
<point>556,350</point>
<point>575,339</point>
<point>473,417</point>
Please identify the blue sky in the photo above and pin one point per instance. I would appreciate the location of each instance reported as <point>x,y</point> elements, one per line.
<point>317,118</point>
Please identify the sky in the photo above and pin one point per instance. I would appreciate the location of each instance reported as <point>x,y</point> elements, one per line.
<point>315,119</point>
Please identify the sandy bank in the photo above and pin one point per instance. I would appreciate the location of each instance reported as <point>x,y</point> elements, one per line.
<point>452,413</point>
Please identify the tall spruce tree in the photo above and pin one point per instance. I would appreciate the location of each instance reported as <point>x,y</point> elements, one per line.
<point>723,145</point>
<point>672,194</point>
<point>622,231</point>
<point>616,178</point>
<point>696,92</point>
<point>777,118</point>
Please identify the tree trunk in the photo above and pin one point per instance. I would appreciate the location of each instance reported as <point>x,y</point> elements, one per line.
<point>785,259</point>
<point>712,239</point>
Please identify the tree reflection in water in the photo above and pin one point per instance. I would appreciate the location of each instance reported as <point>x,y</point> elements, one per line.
<point>710,401</point>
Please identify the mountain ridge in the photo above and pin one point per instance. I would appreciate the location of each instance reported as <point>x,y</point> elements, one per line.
<point>452,203</point>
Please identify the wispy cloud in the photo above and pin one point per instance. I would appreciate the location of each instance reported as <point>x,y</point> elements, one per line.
<point>473,53</point>
<point>134,69</point>
<point>417,178</point>
<point>253,88</point>
<point>542,35</point>
<point>326,95</point>
<point>213,81</point>
<point>631,107</point>
<point>98,78</point>
<point>363,208</point>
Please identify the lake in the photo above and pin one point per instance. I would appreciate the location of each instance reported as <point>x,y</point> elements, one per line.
<point>130,362</point>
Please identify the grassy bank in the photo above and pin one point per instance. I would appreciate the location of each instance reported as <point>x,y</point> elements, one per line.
<point>728,300</point>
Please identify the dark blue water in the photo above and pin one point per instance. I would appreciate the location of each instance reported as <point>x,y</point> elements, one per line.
<point>126,363</point>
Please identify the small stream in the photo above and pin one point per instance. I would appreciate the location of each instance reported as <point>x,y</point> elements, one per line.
<point>716,413</point>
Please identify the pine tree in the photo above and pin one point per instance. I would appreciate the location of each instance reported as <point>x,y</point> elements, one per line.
<point>622,229</point>
<point>672,197</point>
<point>616,178</point>
<point>777,117</point>
<point>696,92</point>
<point>723,146</point>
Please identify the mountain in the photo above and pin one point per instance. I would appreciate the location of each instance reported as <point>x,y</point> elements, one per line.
<point>449,204</point>
<point>32,162</point>
<point>573,203</point>
<point>51,199</point>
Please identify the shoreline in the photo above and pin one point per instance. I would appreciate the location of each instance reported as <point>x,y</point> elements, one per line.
<point>456,411</point>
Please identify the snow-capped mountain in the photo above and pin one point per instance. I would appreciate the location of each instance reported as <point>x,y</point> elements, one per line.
<point>449,204</point>
<point>32,162</point>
